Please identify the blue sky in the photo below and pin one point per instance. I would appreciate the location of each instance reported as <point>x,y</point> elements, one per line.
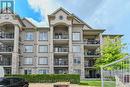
<point>112,15</point>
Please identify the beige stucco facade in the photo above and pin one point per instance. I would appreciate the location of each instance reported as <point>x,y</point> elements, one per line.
<point>60,44</point>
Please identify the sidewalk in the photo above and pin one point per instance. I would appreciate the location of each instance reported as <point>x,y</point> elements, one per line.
<point>51,85</point>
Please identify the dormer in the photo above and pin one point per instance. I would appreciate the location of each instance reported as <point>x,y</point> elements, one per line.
<point>63,17</point>
<point>60,16</point>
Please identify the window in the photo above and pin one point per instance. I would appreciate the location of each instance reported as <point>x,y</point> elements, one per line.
<point>28,60</point>
<point>43,48</point>
<point>27,71</point>
<point>43,71</point>
<point>77,60</point>
<point>43,36</point>
<point>43,60</point>
<point>76,48</point>
<point>29,36</point>
<point>28,48</point>
<point>76,36</point>
<point>77,71</point>
<point>61,17</point>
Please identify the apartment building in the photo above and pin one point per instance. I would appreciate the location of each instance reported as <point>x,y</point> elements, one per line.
<point>67,46</point>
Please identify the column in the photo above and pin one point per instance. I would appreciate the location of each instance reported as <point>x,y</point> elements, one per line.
<point>82,58</point>
<point>70,56</point>
<point>15,54</point>
<point>51,55</point>
<point>36,38</point>
<point>101,42</point>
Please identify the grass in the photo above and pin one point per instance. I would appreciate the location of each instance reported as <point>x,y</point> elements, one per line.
<point>97,83</point>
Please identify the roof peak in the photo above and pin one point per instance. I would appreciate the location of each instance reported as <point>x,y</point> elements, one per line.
<point>61,8</point>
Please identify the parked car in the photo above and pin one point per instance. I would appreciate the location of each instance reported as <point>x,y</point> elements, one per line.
<point>13,82</point>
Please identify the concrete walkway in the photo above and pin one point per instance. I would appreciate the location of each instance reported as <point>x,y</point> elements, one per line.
<point>51,85</point>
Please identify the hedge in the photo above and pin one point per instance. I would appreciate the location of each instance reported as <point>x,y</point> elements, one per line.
<point>50,78</point>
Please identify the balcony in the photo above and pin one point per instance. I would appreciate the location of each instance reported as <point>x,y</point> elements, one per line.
<point>88,65</point>
<point>91,42</point>
<point>61,50</point>
<point>61,63</point>
<point>92,54</point>
<point>62,70</point>
<point>61,39</point>
<point>6,49</point>
<point>6,37</point>
<point>65,36</point>
<point>5,61</point>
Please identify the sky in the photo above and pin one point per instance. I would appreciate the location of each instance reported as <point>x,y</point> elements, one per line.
<point>112,15</point>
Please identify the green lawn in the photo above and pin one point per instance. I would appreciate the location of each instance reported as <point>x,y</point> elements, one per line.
<point>97,83</point>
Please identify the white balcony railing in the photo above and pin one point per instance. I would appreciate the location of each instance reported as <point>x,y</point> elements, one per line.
<point>65,36</point>
<point>6,35</point>
<point>91,53</point>
<point>6,48</point>
<point>86,41</point>
<point>61,49</point>
<point>60,62</point>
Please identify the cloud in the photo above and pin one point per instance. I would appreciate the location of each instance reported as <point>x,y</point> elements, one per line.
<point>39,24</point>
<point>45,7</point>
<point>110,15</point>
<point>113,16</point>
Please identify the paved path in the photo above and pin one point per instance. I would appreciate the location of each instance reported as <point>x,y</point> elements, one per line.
<point>51,85</point>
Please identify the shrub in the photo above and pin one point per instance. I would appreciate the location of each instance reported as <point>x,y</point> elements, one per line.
<point>50,78</point>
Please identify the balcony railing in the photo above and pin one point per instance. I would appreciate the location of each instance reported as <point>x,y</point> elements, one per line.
<point>91,53</point>
<point>91,41</point>
<point>88,65</point>
<point>7,63</point>
<point>6,48</point>
<point>61,49</point>
<point>65,36</point>
<point>62,63</point>
<point>60,71</point>
<point>6,35</point>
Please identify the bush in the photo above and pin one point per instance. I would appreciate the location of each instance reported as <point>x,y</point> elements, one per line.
<point>50,78</point>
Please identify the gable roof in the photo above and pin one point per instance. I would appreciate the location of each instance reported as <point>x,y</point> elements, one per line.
<point>59,9</point>
<point>71,14</point>
<point>28,23</point>
<point>80,20</point>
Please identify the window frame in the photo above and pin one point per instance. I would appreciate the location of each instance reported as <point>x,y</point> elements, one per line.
<point>42,63</point>
<point>27,71</point>
<point>25,63</point>
<point>47,71</point>
<point>77,62</point>
<point>76,39</point>
<point>76,51</point>
<point>28,51</point>
<point>26,36</point>
<point>42,35</point>
<point>42,51</point>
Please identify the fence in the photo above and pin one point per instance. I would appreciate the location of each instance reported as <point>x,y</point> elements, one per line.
<point>116,74</point>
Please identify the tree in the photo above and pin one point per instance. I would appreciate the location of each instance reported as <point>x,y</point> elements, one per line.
<point>111,50</point>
